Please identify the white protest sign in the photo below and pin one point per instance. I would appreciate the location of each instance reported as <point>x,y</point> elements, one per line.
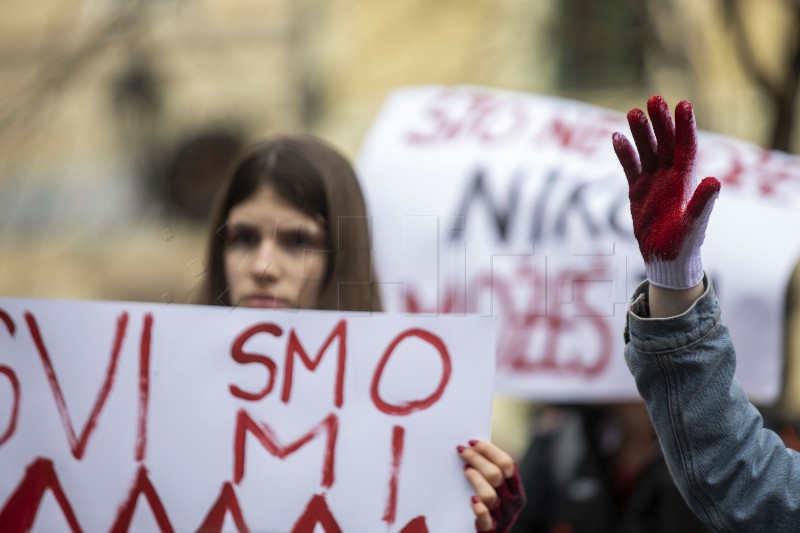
<point>515,205</point>
<point>119,416</point>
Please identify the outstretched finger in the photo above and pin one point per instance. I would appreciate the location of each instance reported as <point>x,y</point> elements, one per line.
<point>685,137</point>
<point>644,139</point>
<point>664,129</point>
<point>627,156</point>
<point>699,206</point>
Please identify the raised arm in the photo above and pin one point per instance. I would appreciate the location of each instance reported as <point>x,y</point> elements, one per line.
<point>734,474</point>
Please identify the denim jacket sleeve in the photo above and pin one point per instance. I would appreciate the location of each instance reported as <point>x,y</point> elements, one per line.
<point>734,474</point>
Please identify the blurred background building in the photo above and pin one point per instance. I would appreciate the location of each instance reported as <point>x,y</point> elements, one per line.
<point>119,117</point>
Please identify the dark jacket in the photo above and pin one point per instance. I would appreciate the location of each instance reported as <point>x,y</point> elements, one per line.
<point>567,475</point>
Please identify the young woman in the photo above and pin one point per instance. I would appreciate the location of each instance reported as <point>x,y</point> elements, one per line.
<point>291,231</point>
<point>735,475</point>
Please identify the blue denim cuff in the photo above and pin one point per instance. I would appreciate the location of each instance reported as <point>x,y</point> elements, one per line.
<point>672,334</point>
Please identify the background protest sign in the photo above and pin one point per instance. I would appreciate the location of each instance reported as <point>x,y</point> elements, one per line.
<point>120,416</point>
<point>514,205</point>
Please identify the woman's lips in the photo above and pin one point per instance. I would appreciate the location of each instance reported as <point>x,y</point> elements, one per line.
<point>264,302</point>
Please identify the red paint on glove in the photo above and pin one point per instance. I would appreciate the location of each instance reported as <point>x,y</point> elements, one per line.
<point>670,213</point>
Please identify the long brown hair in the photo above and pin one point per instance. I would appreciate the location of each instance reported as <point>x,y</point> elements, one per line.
<point>318,180</point>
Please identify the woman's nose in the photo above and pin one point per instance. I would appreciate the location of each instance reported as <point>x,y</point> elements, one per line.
<point>265,264</point>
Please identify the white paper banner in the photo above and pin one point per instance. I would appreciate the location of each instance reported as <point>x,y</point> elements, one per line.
<point>514,205</point>
<point>147,417</point>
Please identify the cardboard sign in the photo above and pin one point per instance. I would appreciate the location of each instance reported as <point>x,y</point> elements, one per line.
<point>147,417</point>
<point>515,205</point>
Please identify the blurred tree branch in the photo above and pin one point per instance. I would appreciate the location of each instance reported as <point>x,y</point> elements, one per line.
<point>60,65</point>
<point>782,91</point>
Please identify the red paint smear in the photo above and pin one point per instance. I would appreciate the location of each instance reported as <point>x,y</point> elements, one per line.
<point>316,512</point>
<point>15,411</point>
<point>398,440</point>
<point>141,485</point>
<point>78,446</point>
<point>405,408</point>
<point>227,501</point>
<point>294,347</point>
<point>20,510</point>
<point>266,436</point>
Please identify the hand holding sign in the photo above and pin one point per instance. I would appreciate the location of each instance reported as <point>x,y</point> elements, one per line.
<point>495,478</point>
<point>669,214</point>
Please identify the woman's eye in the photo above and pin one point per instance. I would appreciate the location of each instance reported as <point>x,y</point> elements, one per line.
<point>244,238</point>
<point>301,240</point>
<point>298,240</point>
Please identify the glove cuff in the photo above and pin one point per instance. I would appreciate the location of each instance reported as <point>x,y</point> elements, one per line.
<point>682,273</point>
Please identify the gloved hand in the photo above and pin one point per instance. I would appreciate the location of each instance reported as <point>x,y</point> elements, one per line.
<point>670,211</point>
<point>499,494</point>
<point>510,501</point>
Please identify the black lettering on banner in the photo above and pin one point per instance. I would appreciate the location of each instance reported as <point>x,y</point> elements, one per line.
<point>576,203</point>
<point>479,192</point>
<point>537,227</point>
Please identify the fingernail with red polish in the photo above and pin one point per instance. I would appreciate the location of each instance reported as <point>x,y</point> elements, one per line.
<point>473,442</point>
<point>474,499</point>
<point>460,448</point>
<point>467,467</point>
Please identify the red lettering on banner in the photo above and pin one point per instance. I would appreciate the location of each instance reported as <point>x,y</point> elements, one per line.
<point>215,518</point>
<point>398,442</point>
<point>411,406</point>
<point>240,356</point>
<point>510,112</point>
<point>521,324</point>
<point>12,423</point>
<point>556,326</point>
<point>766,172</point>
<point>20,510</point>
<point>266,436</point>
<point>294,347</point>
<point>12,378</point>
<point>144,385</point>
<point>8,322</point>
<point>453,303</point>
<point>774,170</point>
<point>78,445</point>
<point>417,525</point>
<point>316,513</point>
<point>141,485</point>
<point>731,177</point>
<point>582,135</point>
<point>485,117</point>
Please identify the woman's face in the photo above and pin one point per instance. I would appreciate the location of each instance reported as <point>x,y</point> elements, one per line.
<point>274,254</point>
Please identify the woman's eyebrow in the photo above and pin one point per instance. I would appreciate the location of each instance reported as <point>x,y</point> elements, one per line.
<point>241,225</point>
<point>304,230</point>
<point>294,225</point>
